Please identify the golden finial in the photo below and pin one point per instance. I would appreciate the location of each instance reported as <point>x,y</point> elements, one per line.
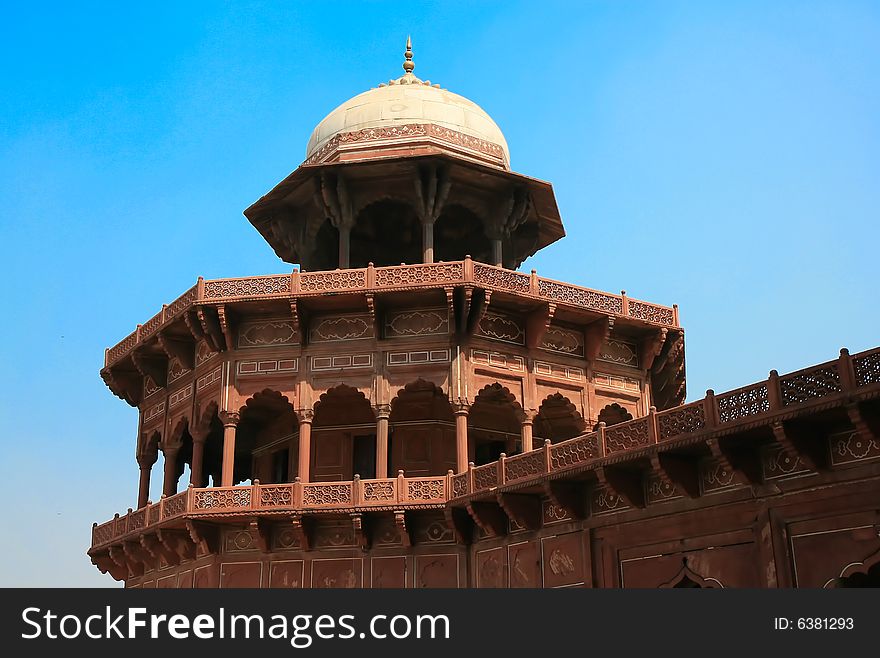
<point>408,65</point>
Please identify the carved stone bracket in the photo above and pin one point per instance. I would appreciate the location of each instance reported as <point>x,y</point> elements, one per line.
<point>679,471</point>
<point>153,366</point>
<point>523,509</point>
<point>177,542</point>
<point>183,350</point>
<point>651,348</point>
<point>259,529</point>
<point>226,326</point>
<point>361,536</point>
<point>625,482</point>
<point>489,517</point>
<point>402,531</point>
<point>159,550</point>
<point>137,558</point>
<point>106,564</point>
<point>868,427</point>
<point>570,496</point>
<point>432,187</point>
<point>479,306</point>
<point>537,324</point>
<point>596,334</point>
<point>124,384</point>
<point>744,459</point>
<point>302,531</point>
<point>205,536</point>
<point>806,443</point>
<point>211,327</point>
<point>191,319</point>
<point>460,523</point>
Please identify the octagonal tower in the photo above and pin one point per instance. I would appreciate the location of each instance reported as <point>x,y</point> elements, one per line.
<point>338,406</point>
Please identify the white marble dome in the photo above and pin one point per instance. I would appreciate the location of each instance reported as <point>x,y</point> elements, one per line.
<point>408,100</point>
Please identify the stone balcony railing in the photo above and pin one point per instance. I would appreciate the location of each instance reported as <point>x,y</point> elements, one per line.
<point>814,386</point>
<point>398,277</point>
<point>398,493</point>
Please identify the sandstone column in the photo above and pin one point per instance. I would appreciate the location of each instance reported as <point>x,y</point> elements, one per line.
<point>305,442</point>
<point>230,423</point>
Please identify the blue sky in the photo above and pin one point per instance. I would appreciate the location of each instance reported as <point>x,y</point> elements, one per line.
<point>722,156</point>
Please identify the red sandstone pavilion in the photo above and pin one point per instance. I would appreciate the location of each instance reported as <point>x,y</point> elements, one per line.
<point>409,410</point>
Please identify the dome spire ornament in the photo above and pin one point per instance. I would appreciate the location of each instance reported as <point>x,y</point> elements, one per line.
<point>408,64</point>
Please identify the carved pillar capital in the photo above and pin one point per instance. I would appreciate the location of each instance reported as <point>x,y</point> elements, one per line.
<point>382,411</point>
<point>305,416</point>
<point>461,407</point>
<point>229,418</point>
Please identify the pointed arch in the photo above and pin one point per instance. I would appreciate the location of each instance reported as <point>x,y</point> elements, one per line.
<point>494,424</point>
<point>421,430</point>
<point>557,419</point>
<point>265,439</point>
<point>688,578</point>
<point>612,414</point>
<point>858,574</point>
<point>343,440</point>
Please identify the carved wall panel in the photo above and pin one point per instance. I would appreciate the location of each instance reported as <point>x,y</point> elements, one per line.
<point>334,535</point>
<point>176,370</point>
<point>500,326</point>
<point>826,550</point>
<point>563,560</point>
<point>716,476</point>
<point>617,381</point>
<point>185,580</point>
<point>154,413</point>
<point>340,573</point>
<point>341,327</point>
<point>722,566</point>
<point>287,574</point>
<point>658,490</point>
<point>267,367</point>
<point>420,322</point>
<point>284,538</point>
<point>167,582</point>
<point>498,360</point>
<point>621,352</point>
<point>150,386</point>
<point>427,529</point>
<point>205,576</point>
<point>850,446</point>
<point>237,541</point>
<point>212,378</point>
<point>241,574</point>
<point>203,353</point>
<point>777,463</point>
<point>437,570</point>
<point>524,560</point>
<point>554,514</point>
<point>491,568</point>
<point>563,340</point>
<point>388,572</point>
<point>267,333</point>
<point>604,501</point>
<point>179,396</point>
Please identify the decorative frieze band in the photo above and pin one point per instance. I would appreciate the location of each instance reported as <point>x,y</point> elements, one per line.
<point>342,361</point>
<point>498,360</point>
<point>559,371</point>
<point>267,367</point>
<point>179,396</point>
<point>417,357</point>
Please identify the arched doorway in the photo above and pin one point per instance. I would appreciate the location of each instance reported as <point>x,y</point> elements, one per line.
<point>386,232</point>
<point>266,445</point>
<point>557,419</point>
<point>208,431</point>
<point>178,450</point>
<point>422,431</point>
<point>458,232</point>
<point>343,436</point>
<point>494,425</point>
